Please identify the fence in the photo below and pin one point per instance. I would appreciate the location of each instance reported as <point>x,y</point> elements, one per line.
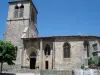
<point>98,71</point>
<point>87,72</point>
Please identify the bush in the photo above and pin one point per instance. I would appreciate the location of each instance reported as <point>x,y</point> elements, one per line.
<point>99,62</point>
<point>91,62</point>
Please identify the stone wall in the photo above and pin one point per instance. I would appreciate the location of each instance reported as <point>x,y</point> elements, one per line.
<point>77,51</point>
<point>47,57</point>
<point>12,7</point>
<point>26,53</point>
<point>15,28</point>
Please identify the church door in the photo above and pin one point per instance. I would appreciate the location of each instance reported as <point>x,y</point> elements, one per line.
<point>32,60</point>
<point>32,63</point>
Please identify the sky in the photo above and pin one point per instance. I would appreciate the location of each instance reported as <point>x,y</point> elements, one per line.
<point>61,17</point>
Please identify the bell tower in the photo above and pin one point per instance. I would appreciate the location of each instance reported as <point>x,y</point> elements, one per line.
<point>21,23</point>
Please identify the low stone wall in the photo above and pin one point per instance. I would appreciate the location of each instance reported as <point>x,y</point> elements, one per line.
<point>6,74</point>
<point>12,67</point>
<point>19,74</point>
<point>27,74</point>
<point>56,72</point>
<point>39,72</point>
<point>53,72</point>
<point>23,71</point>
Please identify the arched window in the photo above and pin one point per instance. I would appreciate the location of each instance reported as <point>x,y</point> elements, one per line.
<point>66,50</point>
<point>16,11</point>
<point>21,11</point>
<point>47,50</point>
<point>86,47</point>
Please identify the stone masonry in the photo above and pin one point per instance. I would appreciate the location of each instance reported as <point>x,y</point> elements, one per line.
<point>77,51</point>
<point>20,27</point>
<point>23,33</point>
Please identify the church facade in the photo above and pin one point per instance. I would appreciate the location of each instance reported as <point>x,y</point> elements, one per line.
<point>60,52</point>
<point>56,52</point>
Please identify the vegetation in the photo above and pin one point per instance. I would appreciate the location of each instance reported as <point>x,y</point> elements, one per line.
<point>91,62</point>
<point>8,53</point>
<point>99,62</point>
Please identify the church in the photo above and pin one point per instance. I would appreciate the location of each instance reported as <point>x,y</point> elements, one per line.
<point>52,53</point>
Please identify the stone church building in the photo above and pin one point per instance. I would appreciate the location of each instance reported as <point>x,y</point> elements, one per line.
<point>55,52</point>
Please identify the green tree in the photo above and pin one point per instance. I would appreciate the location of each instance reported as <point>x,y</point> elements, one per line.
<point>99,62</point>
<point>91,62</point>
<point>8,53</point>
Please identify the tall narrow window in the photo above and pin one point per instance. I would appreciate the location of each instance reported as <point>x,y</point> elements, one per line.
<point>16,12</point>
<point>86,46</point>
<point>95,47</point>
<point>47,50</point>
<point>66,50</point>
<point>21,11</point>
<point>33,17</point>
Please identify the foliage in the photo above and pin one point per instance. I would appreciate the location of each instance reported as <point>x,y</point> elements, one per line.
<point>8,53</point>
<point>91,62</point>
<point>99,62</point>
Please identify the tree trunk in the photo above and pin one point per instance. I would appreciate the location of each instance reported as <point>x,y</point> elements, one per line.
<point>1,67</point>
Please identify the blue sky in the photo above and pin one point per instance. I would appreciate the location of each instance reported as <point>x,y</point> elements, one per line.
<point>61,17</point>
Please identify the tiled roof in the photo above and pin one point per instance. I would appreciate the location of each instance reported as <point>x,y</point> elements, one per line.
<point>71,36</point>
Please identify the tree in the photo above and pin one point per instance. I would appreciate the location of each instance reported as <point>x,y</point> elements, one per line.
<point>8,53</point>
<point>99,62</point>
<point>91,62</point>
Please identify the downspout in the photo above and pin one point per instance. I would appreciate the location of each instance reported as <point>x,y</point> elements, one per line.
<point>53,66</point>
<point>52,56</point>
